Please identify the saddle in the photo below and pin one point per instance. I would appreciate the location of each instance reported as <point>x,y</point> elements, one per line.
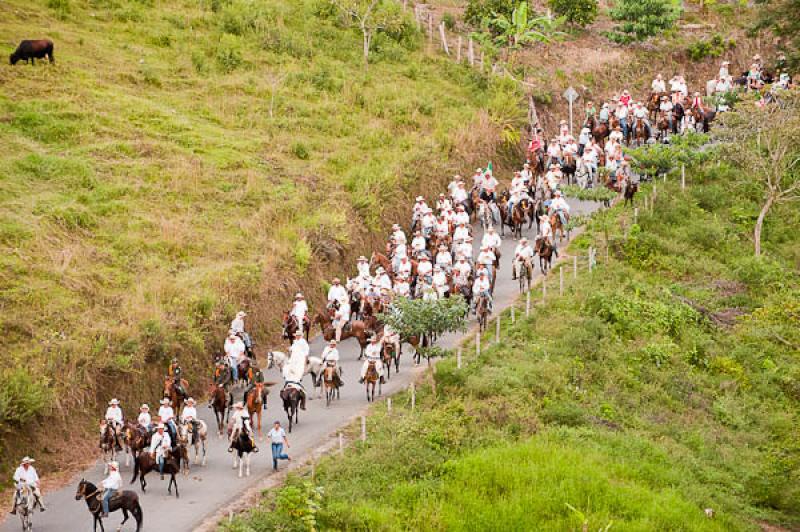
<point>115,498</point>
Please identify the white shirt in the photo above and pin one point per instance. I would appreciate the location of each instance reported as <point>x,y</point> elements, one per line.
<point>166,413</point>
<point>658,85</point>
<point>462,270</point>
<point>460,233</point>
<point>443,258</point>
<point>144,419</point>
<point>29,476</point>
<point>298,355</point>
<point>465,249</point>
<point>559,204</point>
<point>330,354</point>
<point>338,293</point>
<point>234,348</point>
<point>189,413</point>
<point>373,351</point>
<point>160,442</point>
<point>523,251</point>
<point>459,195</point>
<point>114,413</point>
<point>640,112</point>
<point>399,236</point>
<point>491,240</point>
<point>418,244</point>
<point>486,257</point>
<point>402,288</point>
<point>439,279</point>
<point>363,268</point>
<point>481,285</point>
<point>489,183</point>
<point>237,325</point>
<point>461,217</point>
<point>546,230</point>
<point>383,281</point>
<point>113,481</point>
<point>404,268</point>
<point>276,436</point>
<point>424,268</point>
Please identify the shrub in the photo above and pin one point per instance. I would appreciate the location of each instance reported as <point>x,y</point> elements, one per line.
<point>577,12</point>
<point>713,47</point>
<point>21,398</point>
<point>300,151</point>
<point>477,10</point>
<point>641,19</point>
<point>449,21</point>
<point>228,54</point>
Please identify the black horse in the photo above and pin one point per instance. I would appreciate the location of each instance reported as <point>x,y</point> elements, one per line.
<point>146,462</point>
<point>291,404</point>
<point>127,501</point>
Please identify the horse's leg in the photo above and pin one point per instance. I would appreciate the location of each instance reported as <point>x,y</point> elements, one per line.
<point>203,443</point>
<point>174,481</point>
<point>247,465</point>
<point>241,463</point>
<point>124,517</point>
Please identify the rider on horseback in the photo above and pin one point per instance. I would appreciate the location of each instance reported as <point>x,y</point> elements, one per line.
<point>522,255</point>
<point>461,271</point>
<point>666,107</point>
<point>175,371</point>
<point>240,421</point>
<point>482,288</point>
<point>258,377</point>
<point>237,326</point>
<point>234,349</point>
<point>330,357</point>
<point>373,354</point>
<point>491,240</point>
<point>640,115</point>
<point>145,420</point>
<point>486,260</point>
<point>299,311</point>
<point>167,416</point>
<point>439,282</point>
<point>401,286</point>
<point>546,232</point>
<point>295,368</point>
<point>189,415</point>
<point>160,445</point>
<point>560,207</point>
<point>444,259</point>
<point>115,420</point>
<point>111,484</point>
<point>26,475</point>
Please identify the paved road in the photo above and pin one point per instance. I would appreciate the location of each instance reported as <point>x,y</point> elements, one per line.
<point>209,488</point>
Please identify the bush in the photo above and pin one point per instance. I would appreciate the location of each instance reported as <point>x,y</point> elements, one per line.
<point>300,151</point>
<point>449,21</point>
<point>21,398</point>
<point>713,47</point>
<point>477,10</point>
<point>641,19</point>
<point>577,12</point>
<point>228,54</point>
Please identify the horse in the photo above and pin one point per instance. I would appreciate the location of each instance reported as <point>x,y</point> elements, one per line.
<point>291,325</point>
<point>524,275</point>
<point>569,167</point>
<point>137,438</point>
<point>245,371</point>
<point>703,116</point>
<point>630,191</point>
<point>146,462</point>
<point>127,501</point>
<point>558,227</point>
<point>639,132</point>
<point>357,330</point>
<point>482,312</point>
<point>390,355</point>
<point>371,379</point>
<point>544,249</point>
<point>175,394</point>
<point>256,402</point>
<point>24,502</point>
<point>108,443</point>
<point>279,359</point>
<point>220,403</point>
<point>662,126</point>
<point>194,437</point>
<point>243,446</point>
<point>381,260</point>
<point>331,382</point>
<point>484,215</point>
<point>291,404</point>
<point>599,131</point>
<point>654,103</point>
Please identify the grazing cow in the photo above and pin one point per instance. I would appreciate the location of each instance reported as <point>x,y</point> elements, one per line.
<point>31,50</point>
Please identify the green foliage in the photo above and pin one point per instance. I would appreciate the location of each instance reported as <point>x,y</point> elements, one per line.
<point>639,20</point>
<point>62,8</point>
<point>21,398</point>
<point>429,318</point>
<point>592,194</point>
<point>300,151</point>
<point>522,28</point>
<point>657,159</point>
<point>704,48</point>
<point>576,12</point>
<point>479,10</point>
<point>782,17</point>
<point>449,21</point>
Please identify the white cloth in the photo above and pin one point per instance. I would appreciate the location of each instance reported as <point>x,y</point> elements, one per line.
<point>658,85</point>
<point>330,354</point>
<point>459,195</point>
<point>363,268</point>
<point>276,436</point>
<point>29,476</point>
<point>113,481</point>
<point>523,251</point>
<point>114,413</point>
<point>237,325</point>
<point>491,240</point>
<point>234,348</point>
<point>383,281</point>
<point>144,419</point>
<point>299,310</point>
<point>461,217</point>
<point>166,413</point>
<point>241,420</point>
<point>486,257</point>
<point>189,413</point>
<point>403,269</point>
<point>545,229</point>
<point>481,285</point>
<point>399,236</point>
<point>461,233</point>
<point>295,368</point>
<point>444,258</point>
<point>559,204</point>
<point>418,244</point>
<point>337,293</point>
<point>160,443</point>
<point>402,288</point>
<point>372,353</point>
<point>462,271</point>
<point>424,268</point>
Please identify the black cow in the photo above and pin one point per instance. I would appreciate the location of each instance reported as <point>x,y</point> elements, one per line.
<point>31,50</point>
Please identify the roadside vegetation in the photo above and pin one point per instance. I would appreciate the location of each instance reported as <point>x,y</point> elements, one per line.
<point>184,160</point>
<point>663,384</point>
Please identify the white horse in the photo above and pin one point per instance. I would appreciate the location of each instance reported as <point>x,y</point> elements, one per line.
<point>314,367</point>
<point>187,435</point>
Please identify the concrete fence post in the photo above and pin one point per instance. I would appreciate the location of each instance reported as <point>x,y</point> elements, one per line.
<point>561,282</point>
<point>388,405</point>
<point>363,428</point>
<point>575,267</point>
<point>528,304</point>
<point>443,35</point>
<point>458,358</point>
<point>413,396</point>
<point>497,330</point>
<point>513,314</point>
<point>683,177</point>
<point>341,443</point>
<point>478,344</point>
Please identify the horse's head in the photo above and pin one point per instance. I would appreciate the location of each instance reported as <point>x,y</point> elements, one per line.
<point>85,488</point>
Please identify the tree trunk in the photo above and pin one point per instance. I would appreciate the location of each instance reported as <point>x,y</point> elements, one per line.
<point>760,224</point>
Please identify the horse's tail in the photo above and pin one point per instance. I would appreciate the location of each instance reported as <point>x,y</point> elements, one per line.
<point>137,514</point>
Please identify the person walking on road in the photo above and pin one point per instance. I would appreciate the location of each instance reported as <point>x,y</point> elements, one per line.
<point>277,436</point>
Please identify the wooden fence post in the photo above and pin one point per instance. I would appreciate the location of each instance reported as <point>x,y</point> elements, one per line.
<point>575,267</point>
<point>363,428</point>
<point>478,344</point>
<point>590,258</point>
<point>544,288</point>
<point>430,29</point>
<point>341,443</point>
<point>683,177</point>
<point>458,53</point>
<point>645,203</point>
<point>388,405</point>
<point>471,53</point>
<point>458,358</point>
<point>443,35</point>
<point>561,281</point>
<point>528,303</point>
<point>635,214</point>
<point>413,396</point>
<point>497,330</point>
<point>513,314</point>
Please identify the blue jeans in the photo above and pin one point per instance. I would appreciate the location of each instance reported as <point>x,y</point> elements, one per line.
<point>161,465</point>
<point>107,494</point>
<point>278,454</point>
<point>234,370</point>
<point>623,124</point>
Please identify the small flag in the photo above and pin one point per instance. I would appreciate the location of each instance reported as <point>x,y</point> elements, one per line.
<point>489,168</point>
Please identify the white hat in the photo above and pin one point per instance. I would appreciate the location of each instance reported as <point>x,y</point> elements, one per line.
<point>557,192</point>
<point>336,280</point>
<point>238,406</point>
<point>190,401</point>
<point>144,406</point>
<point>164,401</point>
<point>479,169</point>
<point>362,258</point>
<point>113,465</point>
<point>491,228</point>
<point>420,198</point>
<point>241,314</point>
<point>298,332</point>
<point>523,239</point>
<point>395,226</point>
<point>332,341</point>
<point>113,402</point>
<point>374,337</point>
<point>380,270</point>
<point>27,460</point>
<point>298,295</point>
<point>160,426</point>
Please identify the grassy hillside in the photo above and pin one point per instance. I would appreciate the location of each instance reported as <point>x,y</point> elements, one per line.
<point>185,159</point>
<point>664,383</point>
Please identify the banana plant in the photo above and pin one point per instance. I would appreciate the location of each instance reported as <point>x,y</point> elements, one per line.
<point>515,32</point>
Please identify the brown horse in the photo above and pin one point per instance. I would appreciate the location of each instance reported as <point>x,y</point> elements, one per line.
<point>174,395</point>
<point>630,191</point>
<point>390,355</point>
<point>639,132</point>
<point>290,326</point>
<point>138,439</point>
<point>544,249</point>
<point>146,462</point>
<point>482,311</point>
<point>654,103</point>
<point>220,403</point>
<point>256,401</point>
<point>371,379</point>
<point>331,380</point>
<point>703,116</point>
<point>600,131</point>
<point>381,260</point>
<point>558,227</point>
<point>357,330</point>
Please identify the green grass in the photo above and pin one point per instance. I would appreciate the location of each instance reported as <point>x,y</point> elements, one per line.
<point>664,383</point>
<point>198,151</point>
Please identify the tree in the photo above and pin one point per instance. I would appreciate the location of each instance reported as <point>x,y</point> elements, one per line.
<point>764,142</point>
<point>577,12</point>
<point>520,29</point>
<point>479,10</point>
<point>370,17</point>
<point>641,19</point>
<point>426,319</point>
<point>782,17</point>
